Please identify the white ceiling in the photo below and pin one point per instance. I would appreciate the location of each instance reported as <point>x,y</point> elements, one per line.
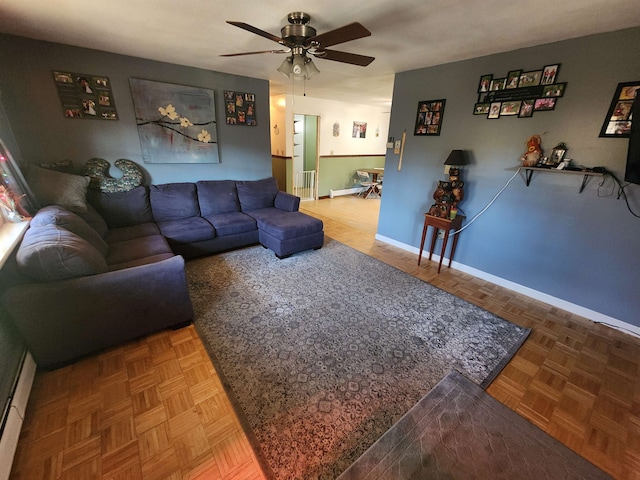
<point>406,34</point>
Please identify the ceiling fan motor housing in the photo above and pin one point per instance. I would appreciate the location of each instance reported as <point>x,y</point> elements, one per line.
<point>298,31</point>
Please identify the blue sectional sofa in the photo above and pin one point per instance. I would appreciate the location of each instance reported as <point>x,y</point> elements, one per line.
<point>83,281</point>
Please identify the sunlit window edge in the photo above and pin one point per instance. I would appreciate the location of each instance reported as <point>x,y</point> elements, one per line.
<point>10,236</point>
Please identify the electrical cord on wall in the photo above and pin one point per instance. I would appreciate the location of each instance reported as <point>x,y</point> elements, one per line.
<point>495,197</point>
<point>621,187</point>
<point>605,171</point>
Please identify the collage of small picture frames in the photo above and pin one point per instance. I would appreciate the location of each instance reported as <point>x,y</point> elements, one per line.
<point>429,117</point>
<point>240,108</point>
<point>519,93</point>
<point>85,96</point>
<point>620,117</point>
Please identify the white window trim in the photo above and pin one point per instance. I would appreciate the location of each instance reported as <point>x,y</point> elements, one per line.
<point>10,236</point>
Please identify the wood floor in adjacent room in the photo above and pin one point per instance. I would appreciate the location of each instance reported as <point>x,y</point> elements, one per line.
<point>155,408</point>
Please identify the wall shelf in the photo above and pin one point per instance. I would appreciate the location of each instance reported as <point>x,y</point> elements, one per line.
<point>530,170</point>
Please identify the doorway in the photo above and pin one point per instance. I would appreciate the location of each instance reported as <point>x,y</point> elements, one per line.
<point>305,156</point>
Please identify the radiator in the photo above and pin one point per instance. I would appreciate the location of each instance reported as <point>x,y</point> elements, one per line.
<point>345,191</point>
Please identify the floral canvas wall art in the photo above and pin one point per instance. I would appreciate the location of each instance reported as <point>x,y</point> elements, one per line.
<point>176,123</point>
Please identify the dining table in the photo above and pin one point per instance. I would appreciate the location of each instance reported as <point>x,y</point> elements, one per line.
<point>375,173</point>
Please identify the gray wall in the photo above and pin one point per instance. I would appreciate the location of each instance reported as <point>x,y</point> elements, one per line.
<point>43,134</point>
<point>580,248</point>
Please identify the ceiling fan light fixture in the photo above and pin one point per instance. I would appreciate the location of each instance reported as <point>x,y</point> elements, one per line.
<point>312,70</point>
<point>297,66</point>
<point>285,67</point>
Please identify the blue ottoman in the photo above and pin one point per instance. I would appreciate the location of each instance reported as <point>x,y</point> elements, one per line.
<point>290,232</point>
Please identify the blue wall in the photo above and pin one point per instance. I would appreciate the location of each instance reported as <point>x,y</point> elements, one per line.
<point>43,134</point>
<point>580,248</point>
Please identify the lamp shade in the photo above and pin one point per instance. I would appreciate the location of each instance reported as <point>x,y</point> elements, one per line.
<point>285,67</point>
<point>311,68</point>
<point>297,64</point>
<point>298,67</point>
<point>457,157</point>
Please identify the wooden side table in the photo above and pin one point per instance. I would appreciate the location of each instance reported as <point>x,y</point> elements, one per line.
<point>443,224</point>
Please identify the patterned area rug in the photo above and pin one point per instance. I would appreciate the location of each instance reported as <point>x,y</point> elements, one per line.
<point>324,351</point>
<point>459,431</point>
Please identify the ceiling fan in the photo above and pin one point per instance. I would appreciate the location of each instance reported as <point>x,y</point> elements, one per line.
<point>300,40</point>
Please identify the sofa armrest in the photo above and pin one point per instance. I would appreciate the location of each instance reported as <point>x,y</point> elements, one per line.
<point>287,202</point>
<point>61,321</point>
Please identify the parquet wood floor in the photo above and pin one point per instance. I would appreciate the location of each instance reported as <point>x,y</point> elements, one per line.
<point>154,408</point>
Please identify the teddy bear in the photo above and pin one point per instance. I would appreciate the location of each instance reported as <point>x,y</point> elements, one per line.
<point>534,153</point>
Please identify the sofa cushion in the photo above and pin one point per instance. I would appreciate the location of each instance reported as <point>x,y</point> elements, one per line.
<point>187,230</point>
<point>57,215</point>
<point>174,201</point>
<point>290,225</point>
<point>136,248</point>
<point>135,231</point>
<point>95,220</point>
<point>257,194</point>
<point>265,214</point>
<point>57,188</point>
<point>51,253</point>
<point>122,209</point>
<point>217,196</point>
<point>231,223</point>
<point>136,262</point>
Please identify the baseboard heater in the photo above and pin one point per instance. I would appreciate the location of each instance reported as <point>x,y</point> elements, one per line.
<point>344,191</point>
<point>15,416</point>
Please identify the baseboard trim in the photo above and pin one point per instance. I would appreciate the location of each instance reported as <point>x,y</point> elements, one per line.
<point>589,314</point>
<point>11,432</point>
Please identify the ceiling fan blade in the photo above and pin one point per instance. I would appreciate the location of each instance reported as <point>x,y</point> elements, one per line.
<point>253,53</point>
<point>353,31</point>
<point>345,57</point>
<point>257,31</point>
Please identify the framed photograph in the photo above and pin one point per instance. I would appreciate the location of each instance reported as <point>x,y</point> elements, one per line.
<point>498,84</point>
<point>481,108</point>
<point>530,79</point>
<point>617,123</point>
<point>557,154</point>
<point>85,96</point>
<point>547,103</point>
<point>176,123</point>
<point>240,108</point>
<point>526,109</point>
<point>429,117</point>
<point>359,130</point>
<point>549,74</point>
<point>556,90</point>
<point>513,77</point>
<point>485,83</point>
<point>494,110</point>
<point>510,107</point>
